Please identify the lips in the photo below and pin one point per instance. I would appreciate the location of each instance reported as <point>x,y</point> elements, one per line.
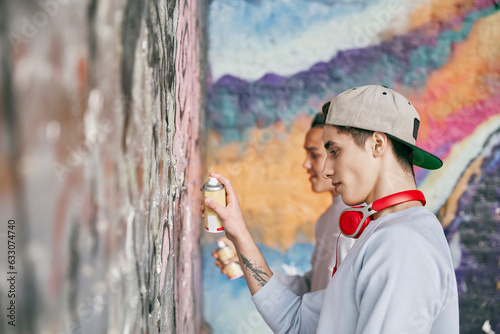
<point>335,185</point>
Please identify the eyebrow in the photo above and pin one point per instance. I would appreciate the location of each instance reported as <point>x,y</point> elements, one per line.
<point>311,148</point>
<point>329,144</point>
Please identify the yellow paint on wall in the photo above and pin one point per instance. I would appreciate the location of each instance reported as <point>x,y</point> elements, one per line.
<point>266,171</point>
<point>448,212</point>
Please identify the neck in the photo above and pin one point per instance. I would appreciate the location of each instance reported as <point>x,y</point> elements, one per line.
<point>392,184</point>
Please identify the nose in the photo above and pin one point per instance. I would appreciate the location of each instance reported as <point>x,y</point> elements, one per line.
<point>307,163</point>
<point>327,171</point>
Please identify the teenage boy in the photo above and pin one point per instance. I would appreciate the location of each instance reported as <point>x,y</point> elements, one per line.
<point>398,277</point>
<point>328,252</point>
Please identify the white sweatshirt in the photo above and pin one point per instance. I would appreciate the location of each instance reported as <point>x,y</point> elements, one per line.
<point>398,278</point>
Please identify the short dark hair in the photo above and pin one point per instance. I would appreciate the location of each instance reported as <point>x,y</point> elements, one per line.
<point>318,121</point>
<point>403,153</point>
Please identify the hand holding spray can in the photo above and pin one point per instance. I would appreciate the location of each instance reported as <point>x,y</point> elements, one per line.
<point>216,190</point>
<point>224,252</point>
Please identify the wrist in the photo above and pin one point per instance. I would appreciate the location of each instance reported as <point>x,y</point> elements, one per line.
<point>239,236</point>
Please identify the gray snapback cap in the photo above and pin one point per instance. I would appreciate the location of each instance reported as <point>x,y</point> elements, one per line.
<point>378,108</point>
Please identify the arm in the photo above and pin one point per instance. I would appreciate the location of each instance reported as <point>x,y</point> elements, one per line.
<point>285,312</point>
<point>255,268</point>
<point>282,310</point>
<point>300,285</point>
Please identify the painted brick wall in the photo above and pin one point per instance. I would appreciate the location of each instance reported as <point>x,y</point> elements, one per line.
<point>100,165</point>
<point>272,65</point>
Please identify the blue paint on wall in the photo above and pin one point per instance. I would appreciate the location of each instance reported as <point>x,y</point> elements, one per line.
<point>228,307</point>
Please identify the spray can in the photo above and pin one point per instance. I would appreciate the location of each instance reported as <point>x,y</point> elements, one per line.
<point>216,190</point>
<point>233,270</point>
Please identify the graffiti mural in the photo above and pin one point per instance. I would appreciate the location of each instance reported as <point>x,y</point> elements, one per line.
<point>272,64</point>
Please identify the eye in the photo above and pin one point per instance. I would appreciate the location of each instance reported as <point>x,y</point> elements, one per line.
<point>333,152</point>
<point>315,156</point>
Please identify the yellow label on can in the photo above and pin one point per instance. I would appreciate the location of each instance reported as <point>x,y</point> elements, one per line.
<point>225,253</point>
<point>233,270</point>
<point>212,221</point>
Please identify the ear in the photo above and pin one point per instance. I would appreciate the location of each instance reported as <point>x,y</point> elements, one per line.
<point>379,143</point>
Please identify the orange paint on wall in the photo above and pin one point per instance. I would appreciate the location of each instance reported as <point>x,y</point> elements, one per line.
<point>439,11</point>
<point>266,171</point>
<point>467,78</point>
<point>463,79</point>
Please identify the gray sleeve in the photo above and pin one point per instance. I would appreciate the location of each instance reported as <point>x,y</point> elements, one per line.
<point>298,284</point>
<point>284,311</point>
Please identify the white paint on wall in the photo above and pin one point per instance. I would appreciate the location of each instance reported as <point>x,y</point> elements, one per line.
<point>248,39</point>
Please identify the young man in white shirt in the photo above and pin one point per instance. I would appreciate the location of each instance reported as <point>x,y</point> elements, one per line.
<point>398,277</point>
<point>331,247</point>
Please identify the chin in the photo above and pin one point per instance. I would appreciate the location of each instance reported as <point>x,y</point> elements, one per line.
<point>350,201</point>
<point>321,189</point>
<point>315,189</point>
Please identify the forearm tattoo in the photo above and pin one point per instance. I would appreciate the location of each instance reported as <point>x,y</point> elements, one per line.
<point>256,271</point>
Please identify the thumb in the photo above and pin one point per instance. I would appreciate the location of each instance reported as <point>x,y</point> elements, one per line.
<point>212,204</point>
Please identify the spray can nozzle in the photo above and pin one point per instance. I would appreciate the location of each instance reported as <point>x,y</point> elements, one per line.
<point>213,181</point>
<point>221,244</point>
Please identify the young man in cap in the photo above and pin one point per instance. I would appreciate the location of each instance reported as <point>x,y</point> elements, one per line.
<point>331,246</point>
<point>398,277</point>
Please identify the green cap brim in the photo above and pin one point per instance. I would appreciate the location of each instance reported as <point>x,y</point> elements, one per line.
<point>422,158</point>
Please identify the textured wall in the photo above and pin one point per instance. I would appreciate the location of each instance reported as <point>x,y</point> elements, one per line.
<point>274,63</point>
<point>100,165</point>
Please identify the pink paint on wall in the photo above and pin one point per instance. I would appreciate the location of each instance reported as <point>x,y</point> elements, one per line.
<point>186,148</point>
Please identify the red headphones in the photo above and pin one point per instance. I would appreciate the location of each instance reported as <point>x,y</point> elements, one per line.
<point>354,220</point>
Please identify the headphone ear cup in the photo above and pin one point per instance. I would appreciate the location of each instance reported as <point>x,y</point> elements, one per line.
<point>349,222</point>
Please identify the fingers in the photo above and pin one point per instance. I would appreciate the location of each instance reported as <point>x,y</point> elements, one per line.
<point>212,204</point>
<point>231,194</point>
<point>231,260</point>
<point>222,264</point>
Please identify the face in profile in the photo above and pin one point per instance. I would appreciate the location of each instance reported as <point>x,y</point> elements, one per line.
<point>315,159</point>
<point>349,167</point>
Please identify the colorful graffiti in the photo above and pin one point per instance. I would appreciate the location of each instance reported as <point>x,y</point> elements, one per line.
<point>272,65</point>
